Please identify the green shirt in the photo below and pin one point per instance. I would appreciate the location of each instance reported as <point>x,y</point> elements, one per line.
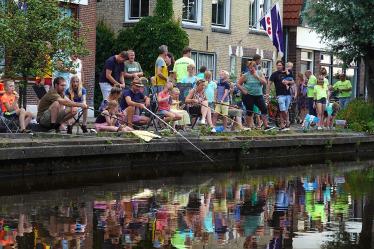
<point>252,85</point>
<point>320,91</point>
<point>312,81</point>
<point>180,67</point>
<point>131,68</point>
<point>342,85</point>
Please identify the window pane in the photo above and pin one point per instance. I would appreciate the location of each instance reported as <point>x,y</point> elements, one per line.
<point>134,8</point>
<point>189,10</point>
<point>218,12</point>
<point>144,8</point>
<point>326,59</point>
<point>214,11</point>
<point>253,19</point>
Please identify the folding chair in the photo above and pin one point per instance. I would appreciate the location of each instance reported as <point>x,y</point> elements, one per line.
<point>154,108</point>
<point>77,120</point>
<point>8,124</point>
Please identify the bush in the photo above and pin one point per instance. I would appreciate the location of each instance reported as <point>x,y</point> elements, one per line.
<point>104,49</point>
<point>359,116</point>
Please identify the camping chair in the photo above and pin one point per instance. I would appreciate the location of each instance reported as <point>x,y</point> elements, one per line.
<point>154,108</point>
<point>8,124</point>
<point>76,119</point>
<point>184,90</point>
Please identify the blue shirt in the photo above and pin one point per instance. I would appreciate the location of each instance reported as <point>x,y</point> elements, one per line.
<point>189,79</point>
<point>135,97</point>
<point>76,98</point>
<point>209,91</point>
<point>221,87</point>
<point>115,67</point>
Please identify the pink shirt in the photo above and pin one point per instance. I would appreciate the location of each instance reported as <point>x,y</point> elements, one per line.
<point>164,105</point>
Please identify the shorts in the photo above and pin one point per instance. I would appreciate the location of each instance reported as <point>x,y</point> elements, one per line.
<point>211,105</point>
<point>163,112</point>
<point>284,102</point>
<point>222,108</point>
<point>322,101</point>
<point>250,101</point>
<point>45,119</point>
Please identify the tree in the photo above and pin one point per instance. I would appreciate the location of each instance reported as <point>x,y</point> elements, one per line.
<point>31,31</point>
<point>347,26</point>
<point>151,32</point>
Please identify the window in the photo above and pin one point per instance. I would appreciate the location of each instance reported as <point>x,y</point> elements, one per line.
<point>306,60</point>
<point>257,9</point>
<point>205,59</point>
<point>136,9</point>
<point>266,67</point>
<point>191,12</point>
<point>220,13</point>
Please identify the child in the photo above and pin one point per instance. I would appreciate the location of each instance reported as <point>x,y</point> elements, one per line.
<point>222,97</point>
<point>331,111</point>
<point>77,93</point>
<point>115,94</point>
<point>289,76</point>
<point>176,108</point>
<point>210,89</point>
<point>320,99</point>
<point>10,107</point>
<point>163,99</point>
<point>309,121</point>
<point>191,77</point>
<point>108,121</point>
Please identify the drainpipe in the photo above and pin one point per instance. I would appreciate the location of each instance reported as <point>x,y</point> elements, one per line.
<point>286,45</point>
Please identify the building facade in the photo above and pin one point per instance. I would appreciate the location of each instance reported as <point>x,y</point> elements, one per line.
<point>223,33</point>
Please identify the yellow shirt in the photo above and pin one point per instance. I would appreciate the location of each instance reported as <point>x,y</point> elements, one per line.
<point>160,63</point>
<point>320,92</point>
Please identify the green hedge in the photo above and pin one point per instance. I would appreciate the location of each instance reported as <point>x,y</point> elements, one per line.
<point>359,116</point>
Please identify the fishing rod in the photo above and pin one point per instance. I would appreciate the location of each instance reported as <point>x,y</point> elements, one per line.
<point>177,132</point>
<point>240,125</point>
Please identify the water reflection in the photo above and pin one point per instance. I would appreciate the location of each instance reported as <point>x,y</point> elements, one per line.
<point>228,211</point>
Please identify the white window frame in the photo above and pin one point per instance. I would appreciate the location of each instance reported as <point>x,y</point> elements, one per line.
<point>198,15</point>
<point>227,16</point>
<point>308,60</point>
<point>128,19</point>
<point>266,5</point>
<point>195,54</point>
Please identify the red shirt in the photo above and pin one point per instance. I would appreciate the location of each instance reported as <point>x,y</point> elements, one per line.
<point>164,105</point>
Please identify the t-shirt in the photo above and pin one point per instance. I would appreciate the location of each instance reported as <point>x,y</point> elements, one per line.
<point>320,91</point>
<point>252,85</point>
<point>221,87</point>
<point>135,97</point>
<point>189,79</point>
<point>280,89</point>
<point>209,91</point>
<point>132,67</point>
<point>114,66</point>
<point>180,67</point>
<point>312,81</point>
<point>77,65</point>
<point>7,98</point>
<point>200,76</point>
<point>342,85</point>
<point>47,101</point>
<point>160,63</point>
<point>164,105</point>
<point>76,97</point>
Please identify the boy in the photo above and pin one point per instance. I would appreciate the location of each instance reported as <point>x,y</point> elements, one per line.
<point>11,109</point>
<point>191,77</point>
<point>222,97</point>
<point>309,121</point>
<point>210,89</point>
<point>331,111</point>
<point>289,75</point>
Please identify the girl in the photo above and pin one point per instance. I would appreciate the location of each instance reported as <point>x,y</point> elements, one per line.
<point>320,99</point>
<point>198,104</point>
<point>108,121</point>
<point>164,106</point>
<point>77,93</point>
<point>115,94</point>
<point>302,97</point>
<point>175,108</point>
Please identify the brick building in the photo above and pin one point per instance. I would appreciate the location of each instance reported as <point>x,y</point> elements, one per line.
<point>85,11</point>
<point>222,33</point>
<point>306,50</point>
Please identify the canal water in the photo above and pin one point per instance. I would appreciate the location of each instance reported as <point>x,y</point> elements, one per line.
<point>305,207</point>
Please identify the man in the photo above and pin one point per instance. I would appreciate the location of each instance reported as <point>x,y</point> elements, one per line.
<point>282,90</point>
<point>180,66</point>
<point>161,69</point>
<point>311,82</point>
<point>257,59</point>
<point>132,102</point>
<point>113,73</point>
<point>51,109</point>
<point>132,68</point>
<point>344,89</point>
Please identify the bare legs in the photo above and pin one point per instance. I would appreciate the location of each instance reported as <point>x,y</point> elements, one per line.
<point>24,118</point>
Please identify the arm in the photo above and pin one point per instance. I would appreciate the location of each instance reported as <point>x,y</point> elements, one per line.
<point>108,75</point>
<point>262,79</point>
<point>225,94</point>
<point>108,118</point>
<point>132,103</point>
<point>159,99</point>
<point>84,99</point>
<point>122,80</point>
<point>69,103</point>
<point>189,99</point>
<point>147,101</point>
<point>240,85</point>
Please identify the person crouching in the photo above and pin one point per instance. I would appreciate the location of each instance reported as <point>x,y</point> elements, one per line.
<point>108,120</point>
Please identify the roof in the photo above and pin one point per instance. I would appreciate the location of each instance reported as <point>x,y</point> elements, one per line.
<point>291,12</point>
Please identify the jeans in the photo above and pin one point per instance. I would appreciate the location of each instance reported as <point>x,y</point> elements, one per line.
<point>343,102</point>
<point>105,89</point>
<point>311,109</point>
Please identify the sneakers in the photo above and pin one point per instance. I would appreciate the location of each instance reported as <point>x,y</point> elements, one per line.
<point>319,128</point>
<point>203,122</point>
<point>269,128</point>
<point>284,129</point>
<point>213,130</point>
<point>84,128</point>
<point>69,129</point>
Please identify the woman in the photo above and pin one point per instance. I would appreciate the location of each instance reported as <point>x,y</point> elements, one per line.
<point>302,96</point>
<point>77,93</point>
<point>320,99</point>
<point>198,103</point>
<point>251,84</point>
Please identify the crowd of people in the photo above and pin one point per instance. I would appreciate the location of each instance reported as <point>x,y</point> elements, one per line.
<point>182,97</point>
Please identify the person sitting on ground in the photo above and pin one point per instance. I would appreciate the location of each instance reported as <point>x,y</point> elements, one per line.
<point>309,121</point>
<point>210,89</point>
<point>77,93</point>
<point>198,104</point>
<point>191,77</point>
<point>222,98</point>
<point>163,99</point>
<point>10,107</point>
<point>51,109</point>
<point>201,74</point>
<point>331,111</point>
<point>132,103</point>
<point>115,94</point>
<point>109,121</point>
<point>320,99</point>
<point>178,109</point>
